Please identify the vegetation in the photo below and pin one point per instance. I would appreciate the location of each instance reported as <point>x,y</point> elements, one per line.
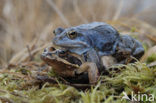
<point>19,87</point>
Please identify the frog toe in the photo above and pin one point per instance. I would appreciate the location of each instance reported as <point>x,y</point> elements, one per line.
<point>138,53</point>
<point>91,69</point>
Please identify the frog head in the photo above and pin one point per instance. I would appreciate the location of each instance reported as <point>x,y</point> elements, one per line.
<point>72,39</point>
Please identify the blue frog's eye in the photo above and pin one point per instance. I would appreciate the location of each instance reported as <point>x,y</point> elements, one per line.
<point>72,35</point>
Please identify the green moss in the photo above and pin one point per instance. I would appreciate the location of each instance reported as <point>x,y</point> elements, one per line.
<point>133,29</point>
<point>132,77</point>
<point>151,58</point>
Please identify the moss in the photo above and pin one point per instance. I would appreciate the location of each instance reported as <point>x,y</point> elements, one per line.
<point>151,58</point>
<point>133,29</point>
<point>132,77</point>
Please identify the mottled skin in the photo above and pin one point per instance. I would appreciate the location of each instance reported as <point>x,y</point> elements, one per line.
<point>98,36</point>
<point>89,40</point>
<point>127,49</point>
<point>68,66</point>
<point>96,40</point>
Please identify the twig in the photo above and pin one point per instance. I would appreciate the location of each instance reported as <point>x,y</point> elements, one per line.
<point>63,18</point>
<point>153,38</point>
<point>6,100</point>
<point>77,10</point>
<point>117,14</point>
<point>30,55</point>
<point>153,64</point>
<point>19,75</point>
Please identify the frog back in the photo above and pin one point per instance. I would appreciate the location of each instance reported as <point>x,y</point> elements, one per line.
<point>103,38</point>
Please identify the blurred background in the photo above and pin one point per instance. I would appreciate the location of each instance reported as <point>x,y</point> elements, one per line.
<point>28,24</point>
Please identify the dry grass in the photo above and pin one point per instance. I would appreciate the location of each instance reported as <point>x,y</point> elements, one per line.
<point>23,21</point>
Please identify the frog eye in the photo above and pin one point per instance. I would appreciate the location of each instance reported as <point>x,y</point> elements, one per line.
<point>72,35</point>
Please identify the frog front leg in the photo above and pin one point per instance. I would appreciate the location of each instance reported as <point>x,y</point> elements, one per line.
<point>91,69</point>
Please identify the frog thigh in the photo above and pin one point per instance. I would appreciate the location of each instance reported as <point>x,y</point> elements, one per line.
<point>108,61</point>
<point>139,50</point>
<point>91,69</point>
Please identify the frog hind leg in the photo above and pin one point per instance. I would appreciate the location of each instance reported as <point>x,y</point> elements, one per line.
<point>139,50</point>
<point>91,69</point>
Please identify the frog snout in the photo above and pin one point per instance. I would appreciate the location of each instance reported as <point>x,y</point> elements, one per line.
<point>46,53</point>
<point>55,40</point>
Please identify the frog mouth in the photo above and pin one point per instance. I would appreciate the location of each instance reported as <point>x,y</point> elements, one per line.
<point>71,45</point>
<point>47,56</point>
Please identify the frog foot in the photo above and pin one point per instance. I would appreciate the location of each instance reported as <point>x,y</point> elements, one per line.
<point>91,69</point>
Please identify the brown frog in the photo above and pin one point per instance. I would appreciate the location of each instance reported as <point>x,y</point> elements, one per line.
<point>69,66</point>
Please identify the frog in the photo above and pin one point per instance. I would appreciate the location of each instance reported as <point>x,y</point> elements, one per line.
<point>97,43</point>
<point>69,66</point>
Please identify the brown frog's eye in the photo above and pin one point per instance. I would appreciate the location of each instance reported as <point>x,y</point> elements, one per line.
<point>51,49</point>
<point>72,35</point>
